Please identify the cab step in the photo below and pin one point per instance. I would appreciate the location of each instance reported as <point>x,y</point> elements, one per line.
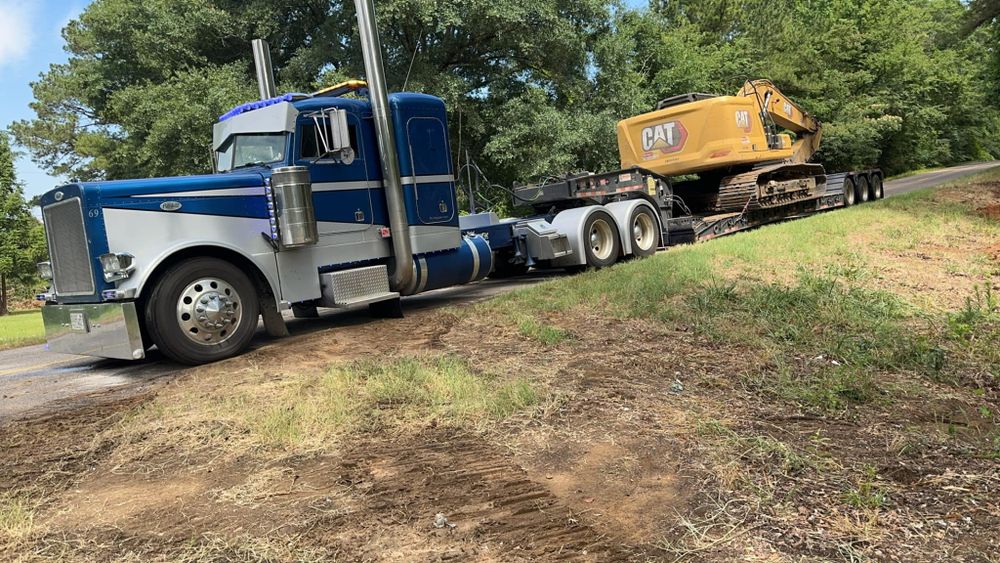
<point>353,288</point>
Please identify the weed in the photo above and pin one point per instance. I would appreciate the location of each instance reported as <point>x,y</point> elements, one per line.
<point>543,333</point>
<point>867,494</point>
<point>980,309</point>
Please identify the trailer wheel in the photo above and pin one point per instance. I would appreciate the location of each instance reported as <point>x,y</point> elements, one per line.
<point>863,190</point>
<point>601,244</point>
<point>878,189</point>
<point>645,235</point>
<point>202,310</point>
<point>850,196</point>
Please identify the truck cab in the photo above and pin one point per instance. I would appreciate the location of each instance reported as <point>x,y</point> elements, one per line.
<point>295,214</point>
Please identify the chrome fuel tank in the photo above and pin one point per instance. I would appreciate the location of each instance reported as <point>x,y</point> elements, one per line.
<point>294,220</point>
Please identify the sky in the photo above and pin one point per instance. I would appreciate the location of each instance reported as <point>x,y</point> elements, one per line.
<point>30,41</point>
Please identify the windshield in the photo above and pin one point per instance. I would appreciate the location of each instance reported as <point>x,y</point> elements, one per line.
<point>249,150</point>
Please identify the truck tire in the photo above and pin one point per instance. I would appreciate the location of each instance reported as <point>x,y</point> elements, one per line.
<point>850,195</point>
<point>864,193</point>
<point>645,232</point>
<point>202,310</point>
<point>601,245</point>
<point>878,188</point>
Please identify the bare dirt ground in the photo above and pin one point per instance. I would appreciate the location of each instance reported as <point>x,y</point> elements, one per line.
<point>649,445</point>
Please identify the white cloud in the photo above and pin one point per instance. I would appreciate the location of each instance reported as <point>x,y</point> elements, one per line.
<point>16,22</point>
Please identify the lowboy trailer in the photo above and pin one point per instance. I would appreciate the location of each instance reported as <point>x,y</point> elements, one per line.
<point>323,200</point>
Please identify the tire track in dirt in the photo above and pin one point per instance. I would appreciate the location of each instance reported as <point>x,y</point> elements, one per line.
<point>491,504</point>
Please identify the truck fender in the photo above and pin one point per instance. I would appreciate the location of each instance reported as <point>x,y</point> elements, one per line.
<point>622,212</point>
<point>262,263</point>
<point>570,223</point>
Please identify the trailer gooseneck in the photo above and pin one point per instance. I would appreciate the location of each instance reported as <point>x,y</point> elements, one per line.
<point>322,200</point>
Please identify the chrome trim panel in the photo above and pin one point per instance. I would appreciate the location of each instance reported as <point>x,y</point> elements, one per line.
<point>345,186</point>
<point>231,192</point>
<point>440,179</point>
<point>110,330</point>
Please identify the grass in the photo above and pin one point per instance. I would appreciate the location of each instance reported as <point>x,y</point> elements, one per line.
<point>867,493</point>
<point>17,520</point>
<point>304,412</point>
<point>808,297</point>
<point>21,329</point>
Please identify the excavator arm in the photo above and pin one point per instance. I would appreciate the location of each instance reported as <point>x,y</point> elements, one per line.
<point>777,109</point>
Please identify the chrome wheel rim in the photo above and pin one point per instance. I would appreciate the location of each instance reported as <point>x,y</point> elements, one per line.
<point>208,311</point>
<point>643,231</point>
<point>877,185</point>
<point>601,239</point>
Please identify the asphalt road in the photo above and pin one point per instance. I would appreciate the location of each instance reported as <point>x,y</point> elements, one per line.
<point>34,381</point>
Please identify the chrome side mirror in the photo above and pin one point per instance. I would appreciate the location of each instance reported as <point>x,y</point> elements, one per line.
<point>335,135</point>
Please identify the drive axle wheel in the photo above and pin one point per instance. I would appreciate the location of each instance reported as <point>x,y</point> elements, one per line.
<point>645,237</point>
<point>601,244</point>
<point>202,310</point>
<point>849,193</point>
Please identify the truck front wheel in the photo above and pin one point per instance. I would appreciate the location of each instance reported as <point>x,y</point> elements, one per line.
<point>202,310</point>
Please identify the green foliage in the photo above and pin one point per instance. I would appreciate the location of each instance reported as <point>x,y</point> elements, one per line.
<point>533,87</point>
<point>867,493</point>
<point>22,239</point>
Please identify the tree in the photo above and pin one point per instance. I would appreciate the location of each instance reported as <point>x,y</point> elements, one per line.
<point>145,81</point>
<point>21,235</point>
<point>533,87</point>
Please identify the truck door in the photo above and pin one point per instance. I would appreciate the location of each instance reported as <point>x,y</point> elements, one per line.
<point>341,192</point>
<point>434,185</point>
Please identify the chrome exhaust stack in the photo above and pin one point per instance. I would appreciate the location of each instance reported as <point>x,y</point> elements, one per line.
<point>265,71</point>
<point>371,47</point>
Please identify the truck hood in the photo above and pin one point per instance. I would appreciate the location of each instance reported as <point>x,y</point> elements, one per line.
<point>175,186</point>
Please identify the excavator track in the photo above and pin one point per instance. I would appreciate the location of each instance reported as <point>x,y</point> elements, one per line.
<point>751,191</point>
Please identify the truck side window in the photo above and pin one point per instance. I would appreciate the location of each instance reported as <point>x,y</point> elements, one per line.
<point>309,143</point>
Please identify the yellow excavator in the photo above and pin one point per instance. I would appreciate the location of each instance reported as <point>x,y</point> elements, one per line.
<point>729,153</point>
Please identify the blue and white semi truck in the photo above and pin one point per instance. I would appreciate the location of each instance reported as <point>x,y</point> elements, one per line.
<point>327,201</point>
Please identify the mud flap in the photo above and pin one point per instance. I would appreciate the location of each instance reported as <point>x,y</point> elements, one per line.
<point>274,323</point>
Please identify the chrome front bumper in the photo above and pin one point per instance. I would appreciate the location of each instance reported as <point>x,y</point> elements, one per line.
<point>108,330</point>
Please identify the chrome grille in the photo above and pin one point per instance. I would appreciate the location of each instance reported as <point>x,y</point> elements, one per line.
<point>68,251</point>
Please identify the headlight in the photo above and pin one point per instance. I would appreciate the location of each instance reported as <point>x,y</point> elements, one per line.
<point>45,270</point>
<point>117,266</point>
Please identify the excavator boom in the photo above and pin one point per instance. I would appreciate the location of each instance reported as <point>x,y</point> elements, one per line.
<point>786,114</point>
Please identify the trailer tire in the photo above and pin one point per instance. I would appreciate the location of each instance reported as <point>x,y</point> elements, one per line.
<point>850,195</point>
<point>601,245</point>
<point>878,187</point>
<point>202,310</point>
<point>863,190</point>
<point>644,229</point>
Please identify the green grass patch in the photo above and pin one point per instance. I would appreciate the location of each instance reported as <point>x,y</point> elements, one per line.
<point>866,493</point>
<point>17,519</point>
<point>377,395</point>
<point>21,329</point>
<point>803,296</point>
